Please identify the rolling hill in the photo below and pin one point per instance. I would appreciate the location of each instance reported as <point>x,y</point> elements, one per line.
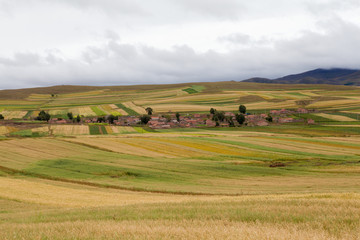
<point>335,76</point>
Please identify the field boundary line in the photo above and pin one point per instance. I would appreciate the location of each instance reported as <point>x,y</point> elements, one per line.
<point>12,171</point>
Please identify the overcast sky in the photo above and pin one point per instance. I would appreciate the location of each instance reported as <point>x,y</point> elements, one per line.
<point>117,42</point>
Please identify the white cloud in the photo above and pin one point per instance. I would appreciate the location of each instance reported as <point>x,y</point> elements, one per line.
<point>157,41</point>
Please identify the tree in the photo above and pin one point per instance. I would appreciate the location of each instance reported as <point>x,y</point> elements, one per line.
<point>230,121</point>
<point>43,116</point>
<point>78,118</point>
<point>145,119</point>
<point>70,115</point>
<point>242,109</point>
<point>111,118</point>
<point>100,119</point>
<point>219,116</point>
<point>240,118</point>
<point>177,116</point>
<point>269,118</point>
<point>149,110</point>
<point>167,117</point>
<point>212,111</point>
<point>1,117</point>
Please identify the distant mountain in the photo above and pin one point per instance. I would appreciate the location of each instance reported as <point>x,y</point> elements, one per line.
<point>335,76</point>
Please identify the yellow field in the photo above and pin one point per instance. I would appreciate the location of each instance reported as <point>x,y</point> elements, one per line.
<point>134,107</point>
<point>290,181</point>
<point>13,114</point>
<point>122,129</point>
<point>334,104</point>
<point>82,111</point>
<point>82,94</point>
<point>69,195</point>
<point>4,130</point>
<point>336,117</point>
<point>19,153</point>
<point>68,211</point>
<point>189,108</point>
<point>70,129</point>
<point>57,111</point>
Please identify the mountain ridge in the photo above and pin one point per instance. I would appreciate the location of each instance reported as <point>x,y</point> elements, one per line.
<point>333,76</point>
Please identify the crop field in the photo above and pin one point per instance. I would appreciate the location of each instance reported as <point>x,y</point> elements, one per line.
<point>13,114</point>
<point>82,111</point>
<point>208,183</point>
<point>336,117</point>
<point>224,96</point>
<point>100,181</point>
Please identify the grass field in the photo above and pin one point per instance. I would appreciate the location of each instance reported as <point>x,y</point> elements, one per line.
<point>202,184</point>
<point>99,181</point>
<point>132,100</point>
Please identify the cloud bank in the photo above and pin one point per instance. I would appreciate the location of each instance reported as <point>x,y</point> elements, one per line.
<point>110,42</point>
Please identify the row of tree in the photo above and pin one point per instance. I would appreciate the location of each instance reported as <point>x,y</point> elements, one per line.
<point>220,116</point>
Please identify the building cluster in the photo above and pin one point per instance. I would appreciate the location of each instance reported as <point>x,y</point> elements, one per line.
<point>201,120</point>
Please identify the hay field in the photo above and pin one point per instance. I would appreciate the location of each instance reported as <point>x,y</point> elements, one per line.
<point>134,107</point>
<point>276,182</point>
<point>13,114</point>
<point>82,111</point>
<point>122,129</point>
<point>336,117</point>
<point>4,130</point>
<point>205,161</point>
<point>226,96</point>
<point>180,185</point>
<point>66,211</point>
<point>70,129</point>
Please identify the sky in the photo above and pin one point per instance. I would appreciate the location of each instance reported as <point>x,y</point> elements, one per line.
<point>122,42</point>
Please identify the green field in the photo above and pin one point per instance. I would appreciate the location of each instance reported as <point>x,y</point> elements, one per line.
<point>199,97</point>
<point>97,181</point>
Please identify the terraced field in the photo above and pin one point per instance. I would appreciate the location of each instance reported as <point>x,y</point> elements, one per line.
<point>225,96</point>
<point>97,181</point>
<point>198,180</point>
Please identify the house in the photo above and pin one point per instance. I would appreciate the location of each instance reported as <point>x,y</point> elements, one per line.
<point>275,112</point>
<point>229,114</point>
<point>302,110</point>
<point>210,123</point>
<point>262,123</point>
<point>285,120</point>
<point>224,124</point>
<point>58,121</point>
<point>310,121</point>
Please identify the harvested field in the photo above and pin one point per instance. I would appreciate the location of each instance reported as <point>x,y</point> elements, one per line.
<point>116,111</point>
<point>66,130</point>
<point>335,117</point>
<point>98,111</point>
<point>100,181</point>
<point>68,195</point>
<point>123,129</point>
<point>134,107</point>
<point>19,153</point>
<point>82,111</point>
<point>4,130</point>
<point>13,114</point>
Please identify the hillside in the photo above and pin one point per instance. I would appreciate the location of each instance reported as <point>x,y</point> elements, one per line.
<point>336,76</point>
<point>106,181</point>
<point>91,101</point>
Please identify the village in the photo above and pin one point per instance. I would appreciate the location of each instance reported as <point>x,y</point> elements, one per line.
<point>195,120</point>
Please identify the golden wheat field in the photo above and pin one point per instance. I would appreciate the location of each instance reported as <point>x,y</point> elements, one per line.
<point>180,185</point>
<point>100,181</point>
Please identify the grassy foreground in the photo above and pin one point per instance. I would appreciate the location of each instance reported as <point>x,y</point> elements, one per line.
<point>195,184</point>
<point>114,182</point>
<point>145,216</point>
